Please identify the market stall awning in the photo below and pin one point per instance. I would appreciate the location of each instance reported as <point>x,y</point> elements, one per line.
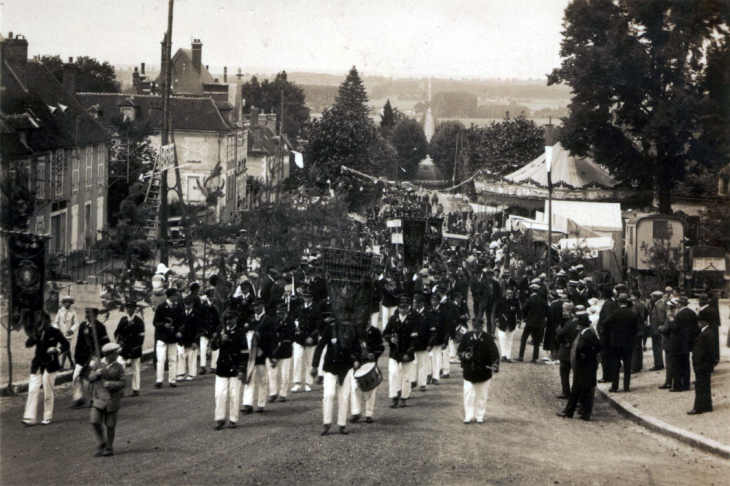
<point>604,243</point>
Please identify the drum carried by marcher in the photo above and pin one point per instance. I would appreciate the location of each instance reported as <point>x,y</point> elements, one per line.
<point>368,376</point>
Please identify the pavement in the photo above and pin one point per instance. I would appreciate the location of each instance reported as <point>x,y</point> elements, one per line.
<point>167,435</point>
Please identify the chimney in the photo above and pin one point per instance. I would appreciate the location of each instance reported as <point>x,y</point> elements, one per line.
<point>271,122</point>
<point>69,76</point>
<point>239,95</point>
<point>142,68</point>
<point>15,53</point>
<point>225,74</point>
<point>254,116</point>
<point>197,54</point>
<point>136,85</point>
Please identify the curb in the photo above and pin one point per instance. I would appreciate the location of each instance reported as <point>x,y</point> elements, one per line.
<point>656,425</point>
<point>63,377</point>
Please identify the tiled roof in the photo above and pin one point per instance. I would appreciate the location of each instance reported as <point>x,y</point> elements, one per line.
<point>188,113</point>
<point>188,80</point>
<point>62,121</point>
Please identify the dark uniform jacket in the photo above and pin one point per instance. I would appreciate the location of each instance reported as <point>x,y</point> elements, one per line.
<point>684,331</point>
<point>505,313</point>
<point>437,326</point>
<point>451,318</point>
<point>422,330</point>
<point>606,310</point>
<point>50,337</point>
<point>338,360</point>
<point>480,288</point>
<point>535,311</point>
<point>703,352</point>
<point>209,320</point>
<point>621,328</point>
<point>130,336</point>
<point>85,343</point>
<point>266,337</point>
<point>285,333</point>
<point>189,327</point>
<point>405,333</point>
<point>391,294</point>
<point>243,305</point>
<point>484,354</point>
<point>584,359</point>
<point>566,337</point>
<point>233,353</point>
<point>309,321</point>
<point>373,343</point>
<point>167,323</point>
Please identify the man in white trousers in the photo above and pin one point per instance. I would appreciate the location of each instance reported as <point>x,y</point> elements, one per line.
<point>279,376</point>
<point>375,348</point>
<point>342,356</point>
<point>307,322</point>
<point>229,340</point>
<point>479,357</point>
<point>130,336</point>
<point>167,323</point>
<point>401,335</point>
<point>507,314</point>
<point>420,343</point>
<point>210,321</point>
<point>49,343</point>
<point>264,328</point>
<point>187,346</point>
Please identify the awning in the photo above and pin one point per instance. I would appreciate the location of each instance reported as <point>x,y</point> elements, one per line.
<point>708,264</point>
<point>595,244</point>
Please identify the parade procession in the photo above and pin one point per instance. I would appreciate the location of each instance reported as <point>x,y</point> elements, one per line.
<point>262,278</point>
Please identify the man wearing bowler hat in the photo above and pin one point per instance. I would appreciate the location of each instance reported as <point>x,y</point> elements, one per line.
<point>130,336</point>
<point>683,331</point>
<point>703,362</point>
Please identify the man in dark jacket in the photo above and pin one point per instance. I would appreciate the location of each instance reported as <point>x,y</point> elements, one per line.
<point>437,334</point>
<point>507,313</point>
<point>49,343</point>
<point>683,330</point>
<point>566,336</point>
<point>130,336</point>
<point>307,321</point>
<point>657,318</point>
<point>709,304</point>
<point>479,358</point>
<point>638,307</point>
<point>230,372</point>
<point>280,374</point>
<point>480,288</point>
<point>343,355</point>
<point>264,333</point>
<point>401,334</point>
<point>703,362</point>
<point>420,318</point>
<point>535,311</point>
<point>187,345</point>
<point>167,323</point>
<point>584,363</point>
<point>210,321</point>
<point>84,352</point>
<point>606,310</point>
<point>374,347</point>
<point>620,329</point>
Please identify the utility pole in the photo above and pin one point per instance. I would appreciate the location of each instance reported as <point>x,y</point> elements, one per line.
<point>281,141</point>
<point>166,89</point>
<point>549,142</point>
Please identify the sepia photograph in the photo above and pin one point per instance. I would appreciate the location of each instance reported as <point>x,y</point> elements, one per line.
<point>340,242</point>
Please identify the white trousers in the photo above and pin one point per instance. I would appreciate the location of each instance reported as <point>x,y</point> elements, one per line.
<point>423,366</point>
<point>48,380</point>
<point>227,391</point>
<point>187,358</point>
<point>258,384</point>
<point>79,383</point>
<point>375,319</point>
<point>437,359</point>
<point>169,352</point>
<point>136,366</point>
<point>387,314</point>
<point>412,375</point>
<point>357,396</point>
<point>399,378</point>
<point>303,356</point>
<point>279,377</point>
<point>320,368</point>
<point>332,387</point>
<point>446,359</point>
<point>505,343</point>
<point>204,341</point>
<point>475,400</point>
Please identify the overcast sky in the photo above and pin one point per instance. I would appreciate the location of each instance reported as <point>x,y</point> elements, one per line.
<point>446,38</point>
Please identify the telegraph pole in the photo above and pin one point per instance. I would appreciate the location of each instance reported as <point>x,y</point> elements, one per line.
<point>166,89</point>
<point>549,142</point>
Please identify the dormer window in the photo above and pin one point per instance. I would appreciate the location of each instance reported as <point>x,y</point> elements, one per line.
<point>128,113</point>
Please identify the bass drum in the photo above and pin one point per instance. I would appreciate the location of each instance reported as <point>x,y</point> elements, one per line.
<point>368,376</point>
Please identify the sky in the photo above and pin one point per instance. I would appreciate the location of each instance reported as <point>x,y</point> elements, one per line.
<point>400,38</point>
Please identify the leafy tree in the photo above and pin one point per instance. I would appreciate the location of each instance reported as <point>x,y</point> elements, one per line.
<point>639,76</point>
<point>267,96</point>
<point>714,223</point>
<point>410,143</point>
<point>91,75</point>
<point>352,98</point>
<point>454,104</point>
<point>442,148</point>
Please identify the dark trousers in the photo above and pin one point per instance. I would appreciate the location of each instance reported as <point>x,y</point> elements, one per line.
<point>703,392</point>
<point>656,348</point>
<point>637,357</point>
<point>669,373</point>
<point>584,395</point>
<point>681,371</point>
<point>619,356</point>
<point>478,308</point>
<point>491,323</point>
<point>716,336</point>
<point>536,333</point>
<point>565,377</point>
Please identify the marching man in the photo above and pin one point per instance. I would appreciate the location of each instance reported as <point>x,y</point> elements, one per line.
<point>279,376</point>
<point>107,397</point>
<point>230,342</point>
<point>479,358</point>
<point>343,354</point>
<point>84,352</point>
<point>374,345</point>
<point>167,324</point>
<point>67,322</point>
<point>130,336</point>
<point>401,335</point>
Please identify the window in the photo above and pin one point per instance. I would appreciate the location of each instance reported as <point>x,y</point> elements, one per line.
<point>662,230</point>
<point>631,235</point>
<point>75,163</point>
<point>41,179</point>
<point>128,114</point>
<point>88,160</point>
<point>101,165</point>
<point>59,168</point>
<point>39,225</point>
<point>195,152</point>
<point>193,192</point>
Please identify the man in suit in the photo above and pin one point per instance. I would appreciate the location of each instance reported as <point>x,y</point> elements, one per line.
<point>479,357</point>
<point>584,363</point>
<point>666,333</point>
<point>210,321</point>
<point>229,340</point>
<point>535,311</point>
<point>130,336</point>
<point>423,362</point>
<point>479,292</point>
<point>343,355</point>
<point>606,310</point>
<point>703,362</point>
<point>307,322</point>
<point>262,327</point>
<point>712,310</point>
<point>507,314</point>
<point>657,317</point>
<point>187,345</point>
<point>401,334</point>
<point>167,323</point>
<point>375,348</point>
<point>621,329</point>
<point>683,330</point>
<point>437,334</point>
<point>638,307</point>
<point>279,376</point>
<point>566,336</point>
<point>84,352</point>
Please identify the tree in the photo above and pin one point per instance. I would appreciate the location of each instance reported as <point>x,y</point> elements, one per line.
<point>267,96</point>
<point>442,148</point>
<point>387,119</point>
<point>714,223</point>
<point>454,104</point>
<point>352,97</point>
<point>639,76</point>
<point>410,143</point>
<point>91,75</point>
